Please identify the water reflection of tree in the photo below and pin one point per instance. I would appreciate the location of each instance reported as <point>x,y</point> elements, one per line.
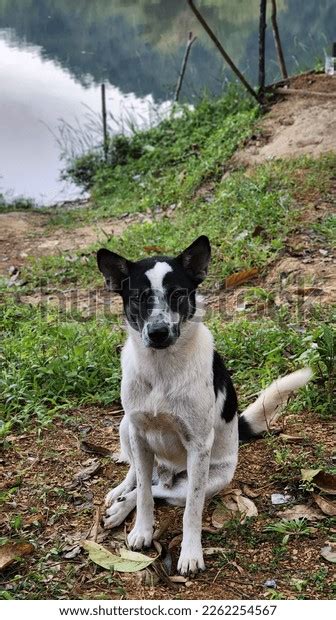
<point>137,44</point>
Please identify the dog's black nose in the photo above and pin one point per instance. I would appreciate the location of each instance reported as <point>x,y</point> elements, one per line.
<point>158,335</point>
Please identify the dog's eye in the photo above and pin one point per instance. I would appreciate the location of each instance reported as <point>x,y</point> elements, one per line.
<point>135,299</point>
<point>140,297</point>
<point>177,296</point>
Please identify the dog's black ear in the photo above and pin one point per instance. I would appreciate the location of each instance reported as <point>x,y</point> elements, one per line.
<point>196,258</point>
<point>115,269</point>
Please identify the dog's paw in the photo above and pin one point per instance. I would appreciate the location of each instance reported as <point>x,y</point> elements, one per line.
<point>140,537</point>
<point>190,561</point>
<point>113,495</point>
<point>119,510</point>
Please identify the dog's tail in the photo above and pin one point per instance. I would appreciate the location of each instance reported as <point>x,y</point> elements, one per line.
<point>259,416</point>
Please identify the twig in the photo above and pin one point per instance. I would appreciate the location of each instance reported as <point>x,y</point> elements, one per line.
<point>277,41</point>
<point>262,31</point>
<point>292,77</point>
<point>302,91</point>
<point>191,40</point>
<point>94,529</point>
<point>222,50</point>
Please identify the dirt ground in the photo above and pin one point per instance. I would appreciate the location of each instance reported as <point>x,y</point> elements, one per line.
<point>296,125</point>
<point>28,234</point>
<point>24,235</point>
<point>56,512</point>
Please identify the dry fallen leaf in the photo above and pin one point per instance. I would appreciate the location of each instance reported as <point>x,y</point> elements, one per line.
<point>12,551</point>
<point>127,562</point>
<point>213,550</point>
<point>153,248</point>
<point>231,491</point>
<point>36,519</point>
<point>162,529</point>
<point>92,448</point>
<point>329,552</point>
<point>324,481</point>
<point>176,541</point>
<point>239,568</point>
<point>239,278</point>
<point>178,579</point>
<point>69,555</point>
<point>327,506</point>
<point>301,511</point>
<point>246,506</point>
<point>96,527</point>
<point>250,492</point>
<point>291,438</point>
<point>308,475</point>
<point>88,472</point>
<point>278,499</point>
<point>232,504</point>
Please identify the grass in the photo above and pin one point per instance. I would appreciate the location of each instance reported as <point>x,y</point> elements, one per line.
<point>294,527</point>
<point>165,164</point>
<point>51,360</point>
<point>16,204</point>
<point>327,229</point>
<point>247,220</point>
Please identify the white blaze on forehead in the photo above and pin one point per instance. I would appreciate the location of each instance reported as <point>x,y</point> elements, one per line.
<point>156,275</point>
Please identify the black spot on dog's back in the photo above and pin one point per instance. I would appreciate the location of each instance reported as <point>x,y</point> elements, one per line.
<point>222,383</point>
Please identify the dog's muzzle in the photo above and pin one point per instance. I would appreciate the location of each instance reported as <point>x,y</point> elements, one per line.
<point>160,335</point>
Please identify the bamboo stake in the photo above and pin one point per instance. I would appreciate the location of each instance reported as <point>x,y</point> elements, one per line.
<point>104,117</point>
<point>222,50</point>
<point>191,40</point>
<point>262,32</point>
<point>277,41</point>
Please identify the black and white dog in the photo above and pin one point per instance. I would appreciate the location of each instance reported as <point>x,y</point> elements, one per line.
<point>180,430</point>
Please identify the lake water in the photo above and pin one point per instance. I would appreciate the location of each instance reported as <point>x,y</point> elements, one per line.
<point>54,55</point>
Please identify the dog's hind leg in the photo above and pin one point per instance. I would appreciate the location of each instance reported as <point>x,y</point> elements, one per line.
<point>127,485</point>
<point>219,477</point>
<point>120,509</point>
<point>123,505</point>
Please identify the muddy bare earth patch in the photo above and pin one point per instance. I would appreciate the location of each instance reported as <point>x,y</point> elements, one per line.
<point>301,124</point>
<point>28,234</point>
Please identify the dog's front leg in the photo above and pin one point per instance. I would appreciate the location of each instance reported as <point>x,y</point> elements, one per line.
<point>198,462</point>
<point>143,459</point>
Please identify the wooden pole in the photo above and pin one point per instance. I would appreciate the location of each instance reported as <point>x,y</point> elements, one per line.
<point>190,41</point>
<point>222,50</point>
<point>262,32</point>
<point>104,117</point>
<point>277,41</point>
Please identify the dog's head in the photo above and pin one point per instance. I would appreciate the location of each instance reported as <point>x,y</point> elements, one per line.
<point>159,293</point>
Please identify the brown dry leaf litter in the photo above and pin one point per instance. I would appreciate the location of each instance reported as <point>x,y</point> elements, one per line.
<point>55,518</point>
